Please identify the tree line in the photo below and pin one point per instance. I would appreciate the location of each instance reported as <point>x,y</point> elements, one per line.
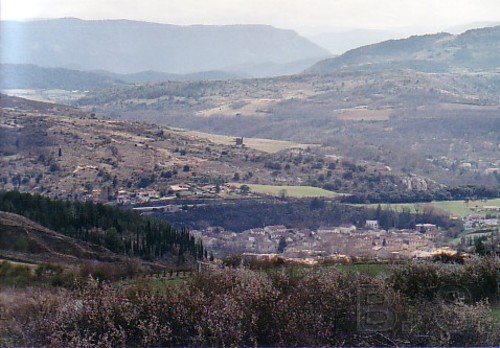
<point>122,231</point>
<point>312,214</point>
<point>466,192</point>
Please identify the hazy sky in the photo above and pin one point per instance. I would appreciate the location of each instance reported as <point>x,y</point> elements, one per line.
<point>305,16</point>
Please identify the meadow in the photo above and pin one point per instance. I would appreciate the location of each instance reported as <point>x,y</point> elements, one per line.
<point>455,208</point>
<point>496,313</point>
<point>292,191</point>
<point>462,208</point>
<point>372,269</point>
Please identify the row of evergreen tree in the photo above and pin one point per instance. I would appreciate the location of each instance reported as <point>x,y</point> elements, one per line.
<point>467,192</point>
<point>305,213</point>
<point>122,231</point>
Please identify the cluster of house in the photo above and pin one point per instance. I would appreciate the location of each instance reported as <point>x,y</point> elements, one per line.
<point>370,241</point>
<point>141,196</point>
<point>150,195</point>
<point>479,221</point>
<point>486,167</point>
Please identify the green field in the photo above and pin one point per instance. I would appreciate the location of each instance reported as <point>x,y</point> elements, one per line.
<point>456,208</point>
<point>457,240</point>
<point>291,191</point>
<point>495,311</point>
<point>461,208</point>
<point>373,269</point>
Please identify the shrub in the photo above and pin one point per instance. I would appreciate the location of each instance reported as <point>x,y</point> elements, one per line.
<point>236,307</point>
<point>439,323</point>
<point>476,280</point>
<point>232,261</point>
<point>48,270</point>
<point>110,271</point>
<point>16,275</point>
<point>449,258</point>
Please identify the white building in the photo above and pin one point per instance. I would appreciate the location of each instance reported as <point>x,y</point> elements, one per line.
<point>372,224</point>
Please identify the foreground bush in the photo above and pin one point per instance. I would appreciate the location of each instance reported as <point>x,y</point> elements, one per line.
<point>19,275</point>
<point>441,323</point>
<point>476,280</point>
<point>234,307</point>
<point>12,274</point>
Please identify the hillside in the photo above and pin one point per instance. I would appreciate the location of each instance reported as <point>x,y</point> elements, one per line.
<point>126,233</point>
<point>341,40</point>
<point>24,240</point>
<point>73,155</point>
<point>69,154</point>
<point>123,46</point>
<point>156,76</point>
<point>440,126</point>
<point>29,76</point>
<point>16,76</point>
<point>477,49</point>
<point>10,102</point>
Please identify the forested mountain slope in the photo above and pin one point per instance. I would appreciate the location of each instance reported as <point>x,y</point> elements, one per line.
<point>477,49</point>
<point>104,230</point>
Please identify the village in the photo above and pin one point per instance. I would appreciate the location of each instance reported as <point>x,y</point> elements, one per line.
<point>370,241</point>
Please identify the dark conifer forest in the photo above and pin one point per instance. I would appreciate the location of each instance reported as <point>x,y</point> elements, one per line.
<point>121,231</point>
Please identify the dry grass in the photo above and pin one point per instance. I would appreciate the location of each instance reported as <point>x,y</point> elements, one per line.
<point>259,144</point>
<point>459,106</point>
<point>244,107</point>
<point>365,114</point>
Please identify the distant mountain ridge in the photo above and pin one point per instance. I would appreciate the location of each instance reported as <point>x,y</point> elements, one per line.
<point>341,41</point>
<point>29,76</point>
<point>476,49</point>
<point>123,46</point>
<point>151,76</point>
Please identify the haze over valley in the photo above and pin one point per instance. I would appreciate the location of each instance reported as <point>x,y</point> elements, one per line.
<point>121,46</point>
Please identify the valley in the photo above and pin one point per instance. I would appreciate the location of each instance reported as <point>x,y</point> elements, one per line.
<point>221,181</point>
<point>204,182</point>
<point>356,129</point>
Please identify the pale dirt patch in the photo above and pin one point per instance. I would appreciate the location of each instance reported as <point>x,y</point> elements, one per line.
<point>244,107</point>
<point>264,145</point>
<point>365,114</point>
<point>458,106</point>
